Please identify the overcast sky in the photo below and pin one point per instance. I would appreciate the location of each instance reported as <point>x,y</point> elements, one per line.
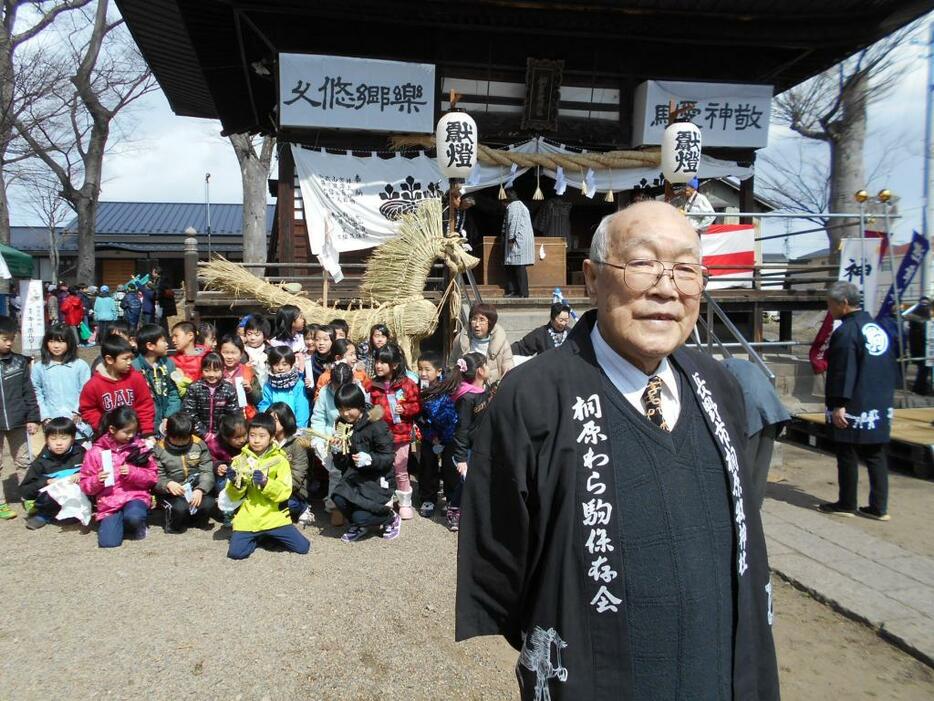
<point>167,157</point>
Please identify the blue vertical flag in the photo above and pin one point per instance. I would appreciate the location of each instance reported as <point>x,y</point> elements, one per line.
<point>906,273</point>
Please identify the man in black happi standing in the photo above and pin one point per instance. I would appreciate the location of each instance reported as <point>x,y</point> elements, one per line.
<point>607,531</point>
<point>859,394</point>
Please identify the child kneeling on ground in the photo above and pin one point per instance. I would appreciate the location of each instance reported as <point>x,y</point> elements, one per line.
<point>366,467</point>
<point>186,474</point>
<point>119,472</point>
<point>261,476</point>
<point>60,458</point>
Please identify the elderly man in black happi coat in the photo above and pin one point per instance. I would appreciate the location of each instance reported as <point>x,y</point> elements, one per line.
<point>859,394</point>
<point>607,532</point>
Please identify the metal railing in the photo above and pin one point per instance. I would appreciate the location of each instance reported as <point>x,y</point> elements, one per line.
<point>714,310</point>
<point>471,296</point>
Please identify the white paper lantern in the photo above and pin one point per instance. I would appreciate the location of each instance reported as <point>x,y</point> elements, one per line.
<point>681,152</point>
<point>456,144</point>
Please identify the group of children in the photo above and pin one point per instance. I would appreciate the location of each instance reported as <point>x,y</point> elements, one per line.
<point>236,428</point>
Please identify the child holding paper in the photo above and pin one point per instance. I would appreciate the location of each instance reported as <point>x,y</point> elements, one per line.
<point>119,472</point>
<point>211,397</point>
<point>398,396</point>
<point>224,447</point>
<point>261,477</point>
<point>255,334</point>
<point>60,459</point>
<point>240,375</point>
<point>186,474</point>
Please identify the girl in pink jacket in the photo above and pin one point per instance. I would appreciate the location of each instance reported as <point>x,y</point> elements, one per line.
<point>119,472</point>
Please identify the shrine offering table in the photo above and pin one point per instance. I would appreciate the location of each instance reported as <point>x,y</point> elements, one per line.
<point>550,272</point>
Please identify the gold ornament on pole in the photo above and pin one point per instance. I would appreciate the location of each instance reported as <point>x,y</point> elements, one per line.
<point>861,196</point>
<point>885,195</point>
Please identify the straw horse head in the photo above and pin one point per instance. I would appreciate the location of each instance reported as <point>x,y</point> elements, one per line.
<point>392,288</point>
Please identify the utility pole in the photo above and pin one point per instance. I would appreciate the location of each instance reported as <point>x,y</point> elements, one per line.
<point>207,204</point>
<point>928,220</point>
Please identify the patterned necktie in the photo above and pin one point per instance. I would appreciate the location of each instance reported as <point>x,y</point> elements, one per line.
<point>652,399</point>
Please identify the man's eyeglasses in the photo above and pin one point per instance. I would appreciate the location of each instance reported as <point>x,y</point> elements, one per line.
<point>643,274</point>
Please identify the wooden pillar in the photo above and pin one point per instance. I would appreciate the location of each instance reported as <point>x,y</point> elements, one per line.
<point>747,203</point>
<point>286,197</point>
<point>191,275</point>
<point>784,326</point>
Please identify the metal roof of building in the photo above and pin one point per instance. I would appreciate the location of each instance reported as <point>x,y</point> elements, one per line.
<point>33,239</point>
<point>153,218</point>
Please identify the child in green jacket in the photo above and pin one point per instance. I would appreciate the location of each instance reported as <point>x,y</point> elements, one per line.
<point>262,477</point>
<point>153,346</point>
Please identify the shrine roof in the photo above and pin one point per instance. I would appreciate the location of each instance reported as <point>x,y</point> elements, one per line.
<point>216,58</point>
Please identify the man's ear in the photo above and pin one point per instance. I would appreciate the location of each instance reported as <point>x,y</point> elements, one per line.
<point>590,279</point>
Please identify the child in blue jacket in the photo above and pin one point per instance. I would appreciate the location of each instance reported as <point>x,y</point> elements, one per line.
<point>285,384</point>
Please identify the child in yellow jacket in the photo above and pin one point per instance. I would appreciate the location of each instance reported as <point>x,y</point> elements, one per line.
<point>261,476</point>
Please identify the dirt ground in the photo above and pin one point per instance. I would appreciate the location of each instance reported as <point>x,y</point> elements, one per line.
<point>172,617</point>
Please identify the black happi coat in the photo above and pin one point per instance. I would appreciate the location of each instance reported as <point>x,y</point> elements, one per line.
<point>523,557</point>
<point>535,342</point>
<point>861,377</point>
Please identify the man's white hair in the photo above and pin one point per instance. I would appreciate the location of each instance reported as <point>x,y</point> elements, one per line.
<point>600,245</point>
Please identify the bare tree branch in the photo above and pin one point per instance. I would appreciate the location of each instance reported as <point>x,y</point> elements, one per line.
<point>43,21</point>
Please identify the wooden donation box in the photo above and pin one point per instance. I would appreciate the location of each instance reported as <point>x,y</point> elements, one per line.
<point>550,272</point>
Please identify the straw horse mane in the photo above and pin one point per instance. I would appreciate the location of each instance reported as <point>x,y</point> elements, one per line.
<point>392,287</point>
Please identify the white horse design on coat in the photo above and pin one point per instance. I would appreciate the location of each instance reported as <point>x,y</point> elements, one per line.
<point>536,657</point>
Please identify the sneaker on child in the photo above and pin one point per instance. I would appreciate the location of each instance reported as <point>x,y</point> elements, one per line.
<point>307,517</point>
<point>427,509</point>
<point>392,529</point>
<point>6,513</point>
<point>454,518</point>
<point>34,523</point>
<point>354,533</point>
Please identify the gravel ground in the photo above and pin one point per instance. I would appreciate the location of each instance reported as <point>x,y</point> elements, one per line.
<point>171,617</point>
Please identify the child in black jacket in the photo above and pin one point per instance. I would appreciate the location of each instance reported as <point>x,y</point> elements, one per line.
<point>365,464</point>
<point>19,409</point>
<point>60,457</point>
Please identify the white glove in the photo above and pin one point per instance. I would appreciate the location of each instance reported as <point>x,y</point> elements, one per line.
<point>362,459</point>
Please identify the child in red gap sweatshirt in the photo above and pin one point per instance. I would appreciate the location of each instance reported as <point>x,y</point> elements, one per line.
<point>399,398</point>
<point>114,384</point>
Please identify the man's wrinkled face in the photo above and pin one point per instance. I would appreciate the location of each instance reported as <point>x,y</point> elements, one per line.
<point>644,327</point>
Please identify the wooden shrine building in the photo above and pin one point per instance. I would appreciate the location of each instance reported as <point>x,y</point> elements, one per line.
<point>575,72</point>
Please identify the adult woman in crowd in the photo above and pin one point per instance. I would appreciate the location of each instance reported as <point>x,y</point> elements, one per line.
<point>484,336</point>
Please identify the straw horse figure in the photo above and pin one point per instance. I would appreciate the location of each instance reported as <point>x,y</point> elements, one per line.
<point>536,657</point>
<point>392,287</point>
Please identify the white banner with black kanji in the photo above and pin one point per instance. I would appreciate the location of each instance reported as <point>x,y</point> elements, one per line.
<point>353,202</point>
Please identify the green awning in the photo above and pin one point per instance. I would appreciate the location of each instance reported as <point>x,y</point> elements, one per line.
<point>19,263</point>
